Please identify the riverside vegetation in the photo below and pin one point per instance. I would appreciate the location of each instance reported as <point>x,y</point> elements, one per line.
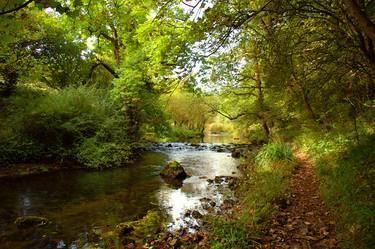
<point>91,83</point>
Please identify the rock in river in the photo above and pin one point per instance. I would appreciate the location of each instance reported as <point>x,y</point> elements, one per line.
<point>236,153</point>
<point>174,170</point>
<point>196,214</point>
<point>30,221</point>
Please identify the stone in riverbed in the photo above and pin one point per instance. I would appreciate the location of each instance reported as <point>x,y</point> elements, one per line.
<point>30,221</point>
<point>236,153</point>
<point>196,214</point>
<point>174,170</point>
<point>146,227</point>
<point>124,229</point>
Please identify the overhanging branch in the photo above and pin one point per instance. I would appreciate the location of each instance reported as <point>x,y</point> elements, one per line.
<point>16,8</point>
<point>106,66</point>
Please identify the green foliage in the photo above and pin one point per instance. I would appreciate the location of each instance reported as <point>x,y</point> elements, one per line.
<point>65,62</point>
<point>188,113</point>
<point>274,153</point>
<point>97,154</point>
<point>266,184</point>
<point>254,133</point>
<point>37,47</point>
<point>71,124</point>
<point>217,128</point>
<point>17,149</point>
<point>59,120</point>
<point>181,133</point>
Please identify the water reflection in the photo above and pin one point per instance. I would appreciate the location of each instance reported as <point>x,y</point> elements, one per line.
<point>25,203</point>
<point>77,202</point>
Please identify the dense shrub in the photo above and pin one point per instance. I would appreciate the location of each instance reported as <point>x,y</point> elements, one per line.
<point>178,133</point>
<point>107,148</point>
<point>80,124</point>
<point>15,150</point>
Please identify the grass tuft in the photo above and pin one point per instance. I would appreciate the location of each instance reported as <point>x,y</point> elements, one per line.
<point>274,153</point>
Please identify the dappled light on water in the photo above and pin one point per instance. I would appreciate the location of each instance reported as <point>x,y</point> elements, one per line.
<point>201,165</point>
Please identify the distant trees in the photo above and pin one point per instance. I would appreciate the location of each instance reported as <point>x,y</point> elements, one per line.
<point>189,111</point>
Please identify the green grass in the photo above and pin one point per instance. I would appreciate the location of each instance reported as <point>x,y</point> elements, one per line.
<point>229,234</point>
<point>274,153</point>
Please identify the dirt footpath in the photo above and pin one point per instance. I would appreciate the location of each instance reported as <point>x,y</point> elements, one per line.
<point>304,221</point>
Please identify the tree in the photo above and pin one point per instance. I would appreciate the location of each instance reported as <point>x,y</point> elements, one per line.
<point>36,48</point>
<point>188,110</point>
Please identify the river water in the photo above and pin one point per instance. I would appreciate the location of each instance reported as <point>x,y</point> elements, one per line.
<point>78,202</point>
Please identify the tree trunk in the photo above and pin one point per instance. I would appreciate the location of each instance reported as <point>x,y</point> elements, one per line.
<point>363,21</point>
<point>308,107</point>
<point>116,47</point>
<point>266,129</point>
<point>260,98</point>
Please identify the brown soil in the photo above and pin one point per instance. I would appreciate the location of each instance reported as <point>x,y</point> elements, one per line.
<point>304,222</point>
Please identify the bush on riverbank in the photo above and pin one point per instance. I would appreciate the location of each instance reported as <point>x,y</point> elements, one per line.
<point>73,124</point>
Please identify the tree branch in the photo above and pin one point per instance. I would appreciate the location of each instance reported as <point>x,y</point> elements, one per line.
<point>363,21</point>
<point>106,66</point>
<point>17,8</point>
<point>230,117</point>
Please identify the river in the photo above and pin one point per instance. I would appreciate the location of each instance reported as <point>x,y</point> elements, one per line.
<point>78,202</point>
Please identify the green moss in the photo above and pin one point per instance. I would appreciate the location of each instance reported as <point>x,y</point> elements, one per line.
<point>173,170</point>
<point>174,165</point>
<point>143,229</point>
